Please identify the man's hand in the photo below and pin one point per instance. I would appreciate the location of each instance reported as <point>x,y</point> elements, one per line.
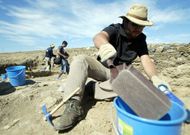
<point>158,82</point>
<point>106,51</point>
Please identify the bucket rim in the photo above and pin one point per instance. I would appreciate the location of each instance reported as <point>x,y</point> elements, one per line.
<point>151,121</point>
<point>10,68</point>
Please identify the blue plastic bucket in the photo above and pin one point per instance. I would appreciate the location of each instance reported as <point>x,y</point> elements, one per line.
<point>128,123</point>
<point>16,75</point>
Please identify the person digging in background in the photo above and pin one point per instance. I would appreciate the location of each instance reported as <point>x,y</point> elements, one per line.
<point>48,57</point>
<point>64,59</point>
<point>117,41</point>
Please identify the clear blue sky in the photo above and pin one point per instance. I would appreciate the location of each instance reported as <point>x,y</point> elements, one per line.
<point>27,25</point>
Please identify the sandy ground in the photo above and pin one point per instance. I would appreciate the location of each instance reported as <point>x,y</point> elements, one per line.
<point>21,106</point>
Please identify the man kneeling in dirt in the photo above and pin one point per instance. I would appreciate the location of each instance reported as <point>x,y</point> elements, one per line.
<point>115,41</point>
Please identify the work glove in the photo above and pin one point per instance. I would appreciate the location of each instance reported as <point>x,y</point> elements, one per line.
<point>158,82</point>
<point>106,51</point>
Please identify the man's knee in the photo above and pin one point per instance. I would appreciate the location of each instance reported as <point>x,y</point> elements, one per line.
<point>80,58</point>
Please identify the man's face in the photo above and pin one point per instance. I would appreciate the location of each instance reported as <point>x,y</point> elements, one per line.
<point>64,45</point>
<point>133,29</point>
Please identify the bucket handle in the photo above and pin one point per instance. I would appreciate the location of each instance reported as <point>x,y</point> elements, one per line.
<point>17,74</point>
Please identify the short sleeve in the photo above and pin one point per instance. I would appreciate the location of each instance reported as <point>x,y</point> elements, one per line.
<point>142,46</point>
<point>59,48</point>
<point>112,30</point>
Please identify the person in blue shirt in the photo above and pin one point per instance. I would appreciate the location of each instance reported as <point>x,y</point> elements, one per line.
<point>62,53</point>
<point>48,57</point>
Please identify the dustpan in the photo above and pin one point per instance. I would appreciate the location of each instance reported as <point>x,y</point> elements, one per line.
<point>140,94</point>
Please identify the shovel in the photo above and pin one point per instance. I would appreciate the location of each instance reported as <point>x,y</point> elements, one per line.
<point>48,116</point>
<point>140,94</point>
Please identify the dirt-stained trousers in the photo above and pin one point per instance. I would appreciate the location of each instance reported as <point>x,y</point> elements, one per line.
<point>81,68</point>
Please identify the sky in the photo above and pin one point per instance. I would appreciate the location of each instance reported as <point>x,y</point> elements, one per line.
<point>27,25</point>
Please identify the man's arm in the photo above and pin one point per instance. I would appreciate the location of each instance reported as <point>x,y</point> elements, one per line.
<point>106,50</point>
<point>148,65</point>
<point>150,70</point>
<point>101,39</point>
<point>59,53</point>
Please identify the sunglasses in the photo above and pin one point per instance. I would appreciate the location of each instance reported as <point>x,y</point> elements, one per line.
<point>136,25</point>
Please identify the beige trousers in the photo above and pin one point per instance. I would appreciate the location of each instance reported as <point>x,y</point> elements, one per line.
<point>81,68</point>
<point>48,64</point>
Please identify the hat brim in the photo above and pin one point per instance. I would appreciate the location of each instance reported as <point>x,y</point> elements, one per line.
<point>138,21</point>
<point>101,94</point>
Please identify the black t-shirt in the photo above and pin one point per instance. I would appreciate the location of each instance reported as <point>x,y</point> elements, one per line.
<point>62,50</point>
<point>127,50</point>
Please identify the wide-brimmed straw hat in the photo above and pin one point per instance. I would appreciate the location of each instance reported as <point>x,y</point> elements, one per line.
<point>138,14</point>
<point>52,45</point>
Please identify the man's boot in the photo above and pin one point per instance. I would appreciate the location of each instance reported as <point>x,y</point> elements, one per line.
<point>72,114</point>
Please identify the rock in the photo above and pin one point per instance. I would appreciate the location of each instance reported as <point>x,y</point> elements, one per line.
<point>180,60</point>
<point>159,49</point>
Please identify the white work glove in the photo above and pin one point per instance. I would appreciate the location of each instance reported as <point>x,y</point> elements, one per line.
<point>158,82</point>
<point>106,51</point>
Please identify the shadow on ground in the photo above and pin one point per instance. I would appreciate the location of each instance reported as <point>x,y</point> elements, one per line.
<point>6,88</point>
